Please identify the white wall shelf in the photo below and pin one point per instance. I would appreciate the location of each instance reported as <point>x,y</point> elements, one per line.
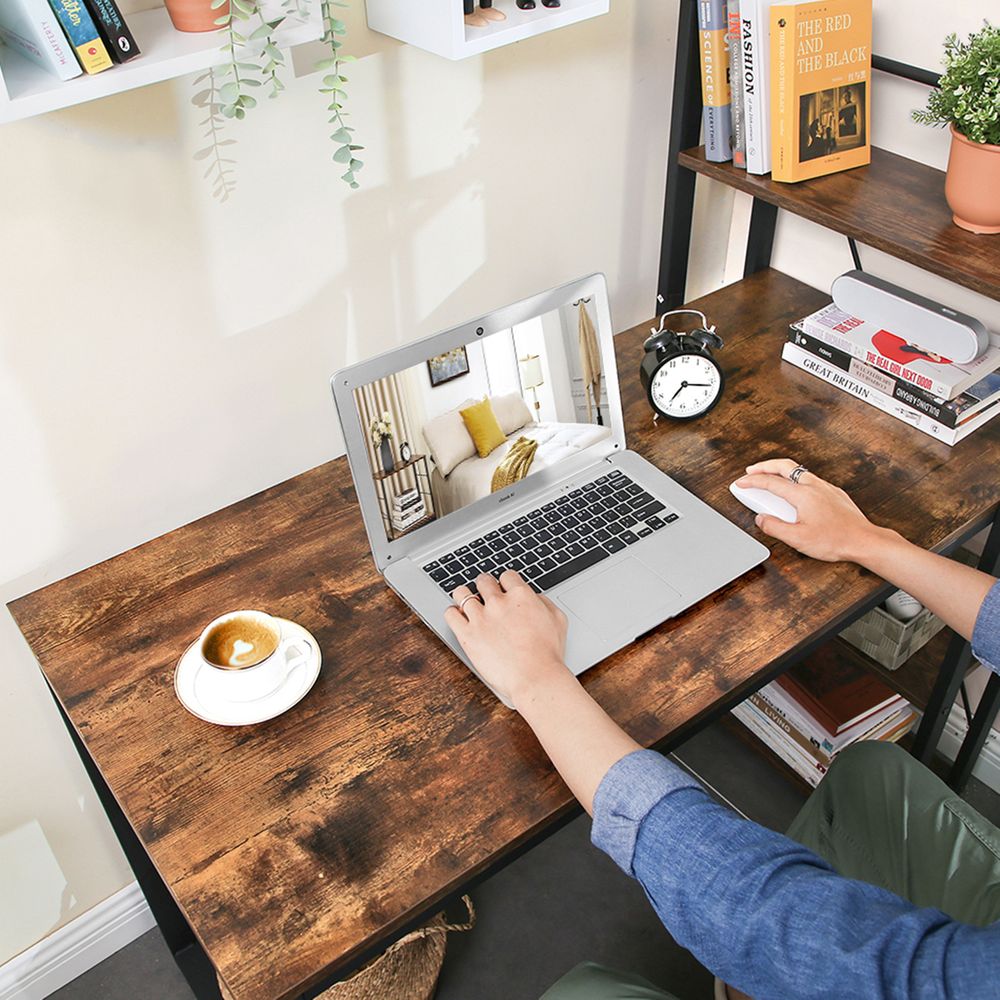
<point>27,90</point>
<point>439,25</point>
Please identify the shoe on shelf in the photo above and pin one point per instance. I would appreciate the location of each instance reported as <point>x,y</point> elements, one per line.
<point>492,14</point>
<point>551,3</point>
<point>526,4</point>
<point>476,20</point>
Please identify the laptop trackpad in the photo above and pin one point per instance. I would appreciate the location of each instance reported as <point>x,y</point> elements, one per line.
<point>622,598</point>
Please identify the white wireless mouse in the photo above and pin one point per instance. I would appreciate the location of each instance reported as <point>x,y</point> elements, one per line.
<point>764,502</point>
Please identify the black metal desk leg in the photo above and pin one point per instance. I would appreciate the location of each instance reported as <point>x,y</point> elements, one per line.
<point>760,240</point>
<point>685,131</point>
<point>187,952</point>
<point>972,745</point>
<point>953,671</point>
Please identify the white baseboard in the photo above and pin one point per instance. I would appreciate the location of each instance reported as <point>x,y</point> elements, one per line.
<point>76,947</point>
<point>987,768</point>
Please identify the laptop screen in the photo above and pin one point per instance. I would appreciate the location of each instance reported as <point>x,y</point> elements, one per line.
<point>459,426</point>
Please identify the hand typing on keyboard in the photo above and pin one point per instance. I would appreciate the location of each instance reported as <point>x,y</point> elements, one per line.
<point>513,636</point>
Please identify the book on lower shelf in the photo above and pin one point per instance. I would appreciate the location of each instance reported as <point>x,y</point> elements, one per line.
<point>821,707</point>
<point>408,507</point>
<point>31,28</point>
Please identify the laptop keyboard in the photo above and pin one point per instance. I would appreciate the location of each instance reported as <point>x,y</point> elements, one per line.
<point>553,543</point>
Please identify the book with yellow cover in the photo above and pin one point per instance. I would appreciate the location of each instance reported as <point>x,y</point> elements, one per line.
<point>820,87</point>
<point>82,34</point>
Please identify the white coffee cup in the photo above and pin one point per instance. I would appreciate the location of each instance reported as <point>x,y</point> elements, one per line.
<point>246,655</point>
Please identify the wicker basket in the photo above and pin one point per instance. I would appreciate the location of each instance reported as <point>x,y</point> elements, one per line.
<point>406,970</point>
<point>889,641</point>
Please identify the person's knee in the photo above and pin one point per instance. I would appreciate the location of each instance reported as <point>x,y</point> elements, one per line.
<point>868,759</point>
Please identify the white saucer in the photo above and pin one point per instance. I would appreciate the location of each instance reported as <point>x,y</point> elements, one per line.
<point>291,691</point>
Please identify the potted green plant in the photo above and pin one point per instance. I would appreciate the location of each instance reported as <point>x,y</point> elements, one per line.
<point>254,60</point>
<point>968,100</point>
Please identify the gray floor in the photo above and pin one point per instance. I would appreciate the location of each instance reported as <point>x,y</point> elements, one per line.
<point>560,904</point>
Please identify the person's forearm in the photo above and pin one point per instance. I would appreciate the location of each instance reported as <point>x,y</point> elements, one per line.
<point>953,591</point>
<point>577,734</point>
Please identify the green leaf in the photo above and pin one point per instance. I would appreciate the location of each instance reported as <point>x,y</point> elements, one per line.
<point>262,32</point>
<point>251,83</point>
<point>343,155</point>
<point>342,135</point>
<point>222,22</point>
<point>357,147</point>
<point>325,64</point>
<point>228,92</point>
<point>247,101</point>
<point>216,4</point>
<point>356,164</point>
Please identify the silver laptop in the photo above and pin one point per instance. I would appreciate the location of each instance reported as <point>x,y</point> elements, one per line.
<point>551,491</point>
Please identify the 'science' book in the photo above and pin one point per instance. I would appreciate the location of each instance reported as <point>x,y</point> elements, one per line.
<point>112,28</point>
<point>717,116</point>
<point>31,28</point>
<point>891,352</point>
<point>755,69</point>
<point>820,87</point>
<point>950,412</point>
<point>82,33</point>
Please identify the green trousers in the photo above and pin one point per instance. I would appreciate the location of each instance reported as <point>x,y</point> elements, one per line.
<point>880,817</point>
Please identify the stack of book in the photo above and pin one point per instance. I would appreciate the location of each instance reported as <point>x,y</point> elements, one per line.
<point>408,508</point>
<point>67,37</point>
<point>821,707</point>
<point>946,400</point>
<point>785,85</point>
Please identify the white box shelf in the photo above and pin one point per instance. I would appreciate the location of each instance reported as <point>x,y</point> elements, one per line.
<point>26,89</point>
<point>439,25</point>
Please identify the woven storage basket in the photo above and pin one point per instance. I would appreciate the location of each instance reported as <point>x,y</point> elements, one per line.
<point>406,970</point>
<point>889,641</point>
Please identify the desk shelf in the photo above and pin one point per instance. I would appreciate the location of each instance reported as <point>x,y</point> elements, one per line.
<point>895,205</point>
<point>27,90</point>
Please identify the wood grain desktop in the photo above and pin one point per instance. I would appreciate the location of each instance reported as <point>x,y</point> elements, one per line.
<point>294,846</point>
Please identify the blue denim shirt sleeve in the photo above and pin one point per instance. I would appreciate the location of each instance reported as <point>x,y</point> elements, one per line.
<point>986,634</point>
<point>767,915</point>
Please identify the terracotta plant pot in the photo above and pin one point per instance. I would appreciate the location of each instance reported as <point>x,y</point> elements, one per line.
<point>194,15</point>
<point>972,185</point>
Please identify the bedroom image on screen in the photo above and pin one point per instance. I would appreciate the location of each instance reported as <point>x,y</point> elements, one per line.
<point>460,426</point>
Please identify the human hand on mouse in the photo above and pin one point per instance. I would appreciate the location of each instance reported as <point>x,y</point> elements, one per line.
<point>514,637</point>
<point>830,525</point>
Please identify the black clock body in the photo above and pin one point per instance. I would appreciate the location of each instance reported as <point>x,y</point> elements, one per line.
<point>674,364</point>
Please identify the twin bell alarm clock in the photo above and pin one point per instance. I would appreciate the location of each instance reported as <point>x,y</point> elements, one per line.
<point>681,377</point>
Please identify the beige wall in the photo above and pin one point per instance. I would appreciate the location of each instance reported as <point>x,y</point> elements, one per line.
<point>162,355</point>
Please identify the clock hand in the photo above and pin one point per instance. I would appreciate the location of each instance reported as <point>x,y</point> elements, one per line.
<point>683,385</point>
<point>698,385</point>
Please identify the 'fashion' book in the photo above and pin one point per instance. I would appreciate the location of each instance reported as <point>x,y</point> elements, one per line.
<point>820,87</point>
<point>891,352</point>
<point>950,412</point>
<point>717,119</point>
<point>31,28</point>
<point>755,70</point>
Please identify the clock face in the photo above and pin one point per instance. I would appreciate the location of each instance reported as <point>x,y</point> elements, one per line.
<point>685,386</point>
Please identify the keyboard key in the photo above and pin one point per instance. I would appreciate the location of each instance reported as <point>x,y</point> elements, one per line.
<point>438,574</point>
<point>645,532</point>
<point>520,521</point>
<point>530,572</point>
<point>467,560</point>
<point>605,491</point>
<point>569,569</point>
<point>488,565</point>
<point>451,584</point>
<point>613,545</point>
<point>547,565</point>
<point>602,534</point>
<point>629,537</point>
<point>431,565</point>
<point>632,489</point>
<point>516,564</point>
<point>492,536</point>
<point>574,549</point>
<point>515,549</point>
<point>645,513</point>
<point>655,523</point>
<point>670,518</point>
<point>543,550</point>
<point>463,549</point>
<point>544,535</point>
<point>453,566</point>
<point>572,521</point>
<point>617,474</point>
<point>602,479</point>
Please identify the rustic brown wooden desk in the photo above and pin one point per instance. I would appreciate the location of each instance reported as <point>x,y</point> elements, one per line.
<point>284,854</point>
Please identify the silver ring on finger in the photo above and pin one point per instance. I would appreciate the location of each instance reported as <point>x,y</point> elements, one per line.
<point>465,600</point>
<point>796,474</point>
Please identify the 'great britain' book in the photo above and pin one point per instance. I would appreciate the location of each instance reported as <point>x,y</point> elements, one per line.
<point>717,116</point>
<point>950,412</point>
<point>820,87</point>
<point>31,28</point>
